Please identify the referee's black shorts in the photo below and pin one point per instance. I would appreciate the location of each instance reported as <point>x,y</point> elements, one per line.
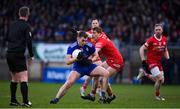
<point>16,62</point>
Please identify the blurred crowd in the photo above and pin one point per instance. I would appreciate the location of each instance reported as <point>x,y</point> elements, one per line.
<point>128,21</point>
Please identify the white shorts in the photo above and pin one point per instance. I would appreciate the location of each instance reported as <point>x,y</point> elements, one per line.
<point>155,71</point>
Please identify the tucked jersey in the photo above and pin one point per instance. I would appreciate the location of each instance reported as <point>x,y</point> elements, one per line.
<point>88,49</point>
<point>108,49</point>
<point>155,48</point>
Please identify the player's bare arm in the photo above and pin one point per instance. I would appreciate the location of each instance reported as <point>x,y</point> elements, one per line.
<point>141,52</point>
<point>166,53</point>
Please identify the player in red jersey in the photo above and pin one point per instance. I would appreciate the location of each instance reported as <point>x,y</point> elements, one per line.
<point>95,82</point>
<point>114,60</point>
<point>156,47</point>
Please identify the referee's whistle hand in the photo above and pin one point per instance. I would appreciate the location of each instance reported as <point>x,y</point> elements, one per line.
<point>30,60</point>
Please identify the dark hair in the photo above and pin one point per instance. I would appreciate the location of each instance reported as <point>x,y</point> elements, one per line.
<point>95,19</point>
<point>24,11</point>
<point>158,24</point>
<point>97,29</point>
<point>82,34</point>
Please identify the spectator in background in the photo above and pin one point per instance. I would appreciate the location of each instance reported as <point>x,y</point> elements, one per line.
<point>132,19</point>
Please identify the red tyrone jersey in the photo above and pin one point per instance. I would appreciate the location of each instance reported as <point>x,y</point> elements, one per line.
<point>93,41</point>
<point>155,48</point>
<point>108,49</point>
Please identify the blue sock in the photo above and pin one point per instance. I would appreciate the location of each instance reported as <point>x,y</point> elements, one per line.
<point>56,99</point>
<point>103,93</point>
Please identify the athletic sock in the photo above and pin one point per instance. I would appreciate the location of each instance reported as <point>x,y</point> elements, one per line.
<point>157,93</point>
<point>110,94</point>
<point>84,86</point>
<point>24,91</point>
<point>93,92</point>
<point>13,88</point>
<point>103,94</point>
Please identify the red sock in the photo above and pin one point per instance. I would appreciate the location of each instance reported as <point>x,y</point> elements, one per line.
<point>84,85</point>
<point>157,93</point>
<point>93,92</point>
<point>109,94</point>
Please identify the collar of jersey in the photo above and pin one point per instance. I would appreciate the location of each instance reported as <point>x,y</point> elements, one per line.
<point>157,38</point>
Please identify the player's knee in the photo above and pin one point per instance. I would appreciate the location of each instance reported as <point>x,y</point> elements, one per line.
<point>106,74</point>
<point>161,80</point>
<point>23,78</point>
<point>69,83</point>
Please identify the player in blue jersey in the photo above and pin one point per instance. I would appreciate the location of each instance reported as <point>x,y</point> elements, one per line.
<point>82,65</point>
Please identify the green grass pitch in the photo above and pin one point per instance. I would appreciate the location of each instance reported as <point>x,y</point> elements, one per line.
<point>128,96</point>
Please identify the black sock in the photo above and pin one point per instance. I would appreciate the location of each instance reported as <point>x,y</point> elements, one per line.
<point>24,91</point>
<point>13,88</point>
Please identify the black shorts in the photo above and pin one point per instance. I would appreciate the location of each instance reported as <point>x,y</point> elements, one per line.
<point>16,62</point>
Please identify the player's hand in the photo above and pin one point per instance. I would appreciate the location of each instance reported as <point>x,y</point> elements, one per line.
<point>80,55</point>
<point>144,64</point>
<point>74,30</point>
<point>30,60</point>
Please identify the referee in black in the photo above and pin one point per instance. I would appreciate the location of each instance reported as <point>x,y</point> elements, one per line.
<point>19,38</point>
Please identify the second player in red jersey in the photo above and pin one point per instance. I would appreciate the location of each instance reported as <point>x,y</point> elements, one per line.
<point>106,48</point>
<point>156,47</point>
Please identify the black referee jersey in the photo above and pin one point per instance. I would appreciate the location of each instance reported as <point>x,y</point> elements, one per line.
<point>19,38</point>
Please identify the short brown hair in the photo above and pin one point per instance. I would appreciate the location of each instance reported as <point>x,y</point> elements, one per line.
<point>82,34</point>
<point>24,11</point>
<point>97,29</point>
<point>158,24</point>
